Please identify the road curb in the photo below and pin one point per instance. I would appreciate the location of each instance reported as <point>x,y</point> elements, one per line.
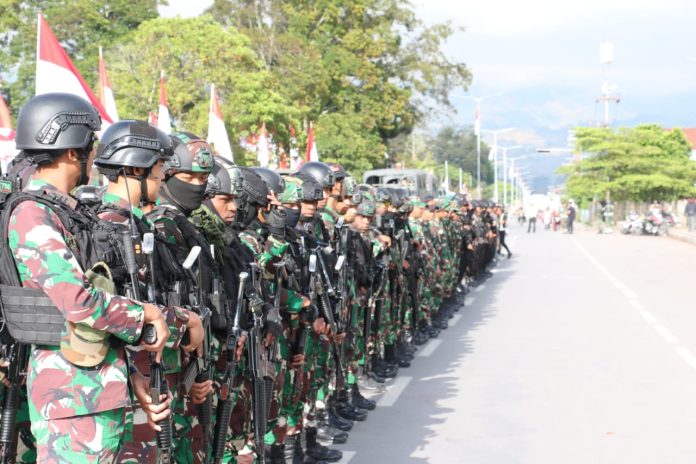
<point>682,236</point>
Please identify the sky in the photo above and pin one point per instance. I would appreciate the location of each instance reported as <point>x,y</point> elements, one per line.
<point>544,55</point>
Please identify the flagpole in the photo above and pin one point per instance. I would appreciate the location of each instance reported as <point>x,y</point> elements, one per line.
<point>446,177</point>
<point>212,95</point>
<point>38,51</point>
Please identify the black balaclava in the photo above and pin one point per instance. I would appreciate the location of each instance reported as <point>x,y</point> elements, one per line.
<point>188,197</point>
<point>292,217</point>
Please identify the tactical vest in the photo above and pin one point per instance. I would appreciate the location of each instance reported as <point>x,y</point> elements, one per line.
<point>28,314</point>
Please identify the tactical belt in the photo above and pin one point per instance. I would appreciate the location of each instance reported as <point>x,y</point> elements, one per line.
<point>30,316</point>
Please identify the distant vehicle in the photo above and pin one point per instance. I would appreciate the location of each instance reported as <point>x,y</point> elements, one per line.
<point>417,181</point>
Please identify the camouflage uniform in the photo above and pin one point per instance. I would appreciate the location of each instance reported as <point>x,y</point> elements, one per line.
<point>77,414</point>
<point>140,444</point>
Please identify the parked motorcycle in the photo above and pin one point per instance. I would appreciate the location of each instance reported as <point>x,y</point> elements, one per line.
<point>633,224</point>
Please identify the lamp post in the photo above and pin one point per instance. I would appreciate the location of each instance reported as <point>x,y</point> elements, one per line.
<point>505,171</point>
<point>495,158</point>
<point>477,131</point>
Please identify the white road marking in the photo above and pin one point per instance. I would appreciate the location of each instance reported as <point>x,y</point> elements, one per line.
<point>455,319</point>
<point>480,288</point>
<point>649,318</point>
<point>666,334</point>
<point>470,300</point>
<point>429,348</point>
<point>647,315</point>
<point>687,356</point>
<point>347,456</point>
<point>393,392</point>
<point>629,293</point>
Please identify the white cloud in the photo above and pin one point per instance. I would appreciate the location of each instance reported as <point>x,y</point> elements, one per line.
<point>515,18</point>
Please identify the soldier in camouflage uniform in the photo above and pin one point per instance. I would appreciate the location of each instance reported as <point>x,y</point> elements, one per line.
<point>182,193</point>
<point>77,393</point>
<point>131,155</point>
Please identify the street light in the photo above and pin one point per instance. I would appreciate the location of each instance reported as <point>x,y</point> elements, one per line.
<point>495,159</point>
<point>505,172</point>
<point>477,130</point>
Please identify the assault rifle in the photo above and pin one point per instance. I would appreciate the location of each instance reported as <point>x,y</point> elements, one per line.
<point>259,365</point>
<point>198,369</point>
<point>226,406</point>
<point>321,288</point>
<point>158,382</point>
<point>17,354</point>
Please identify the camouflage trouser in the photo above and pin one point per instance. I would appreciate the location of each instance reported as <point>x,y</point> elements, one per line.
<point>94,438</point>
<point>276,421</point>
<point>140,440</point>
<point>354,345</point>
<point>239,441</point>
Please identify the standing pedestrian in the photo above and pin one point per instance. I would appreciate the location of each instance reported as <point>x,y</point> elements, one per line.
<point>690,213</point>
<point>502,232</point>
<point>571,216</point>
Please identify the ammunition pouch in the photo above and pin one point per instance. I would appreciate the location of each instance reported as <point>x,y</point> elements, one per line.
<point>30,316</point>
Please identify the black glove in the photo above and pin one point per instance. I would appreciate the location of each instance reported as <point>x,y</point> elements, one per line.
<point>276,223</point>
<point>274,323</point>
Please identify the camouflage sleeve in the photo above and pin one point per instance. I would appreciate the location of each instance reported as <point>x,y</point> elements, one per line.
<point>37,239</point>
<point>177,320</point>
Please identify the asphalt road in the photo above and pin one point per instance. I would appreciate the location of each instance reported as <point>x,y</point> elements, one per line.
<point>580,349</point>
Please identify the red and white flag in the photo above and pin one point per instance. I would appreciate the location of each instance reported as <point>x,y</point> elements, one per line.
<point>477,120</point>
<point>55,72</point>
<point>152,118</point>
<point>7,136</point>
<point>263,151</point>
<point>217,133</point>
<point>312,153</point>
<point>106,95</point>
<point>294,151</point>
<point>163,120</point>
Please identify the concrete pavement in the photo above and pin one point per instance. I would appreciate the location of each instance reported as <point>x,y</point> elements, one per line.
<point>580,349</point>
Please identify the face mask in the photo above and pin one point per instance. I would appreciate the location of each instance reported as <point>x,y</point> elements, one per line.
<point>275,219</point>
<point>292,216</point>
<point>188,196</point>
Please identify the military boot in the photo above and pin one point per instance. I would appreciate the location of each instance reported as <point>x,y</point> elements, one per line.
<point>391,357</point>
<point>360,401</point>
<point>346,410</point>
<point>289,449</point>
<point>318,451</point>
<point>331,435</point>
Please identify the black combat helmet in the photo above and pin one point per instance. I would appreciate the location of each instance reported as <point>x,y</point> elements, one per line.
<point>275,183</point>
<point>135,144</point>
<point>253,194</point>
<point>339,172</point>
<point>321,172</point>
<point>311,189</point>
<point>226,179</point>
<point>56,122</point>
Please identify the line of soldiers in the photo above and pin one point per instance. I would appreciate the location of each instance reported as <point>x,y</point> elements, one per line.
<point>191,310</point>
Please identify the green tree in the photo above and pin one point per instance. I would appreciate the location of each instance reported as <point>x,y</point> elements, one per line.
<point>458,147</point>
<point>195,52</point>
<point>80,25</point>
<point>645,163</point>
<point>363,72</point>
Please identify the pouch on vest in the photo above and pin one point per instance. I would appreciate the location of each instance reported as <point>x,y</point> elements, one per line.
<point>83,345</point>
<point>30,316</point>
